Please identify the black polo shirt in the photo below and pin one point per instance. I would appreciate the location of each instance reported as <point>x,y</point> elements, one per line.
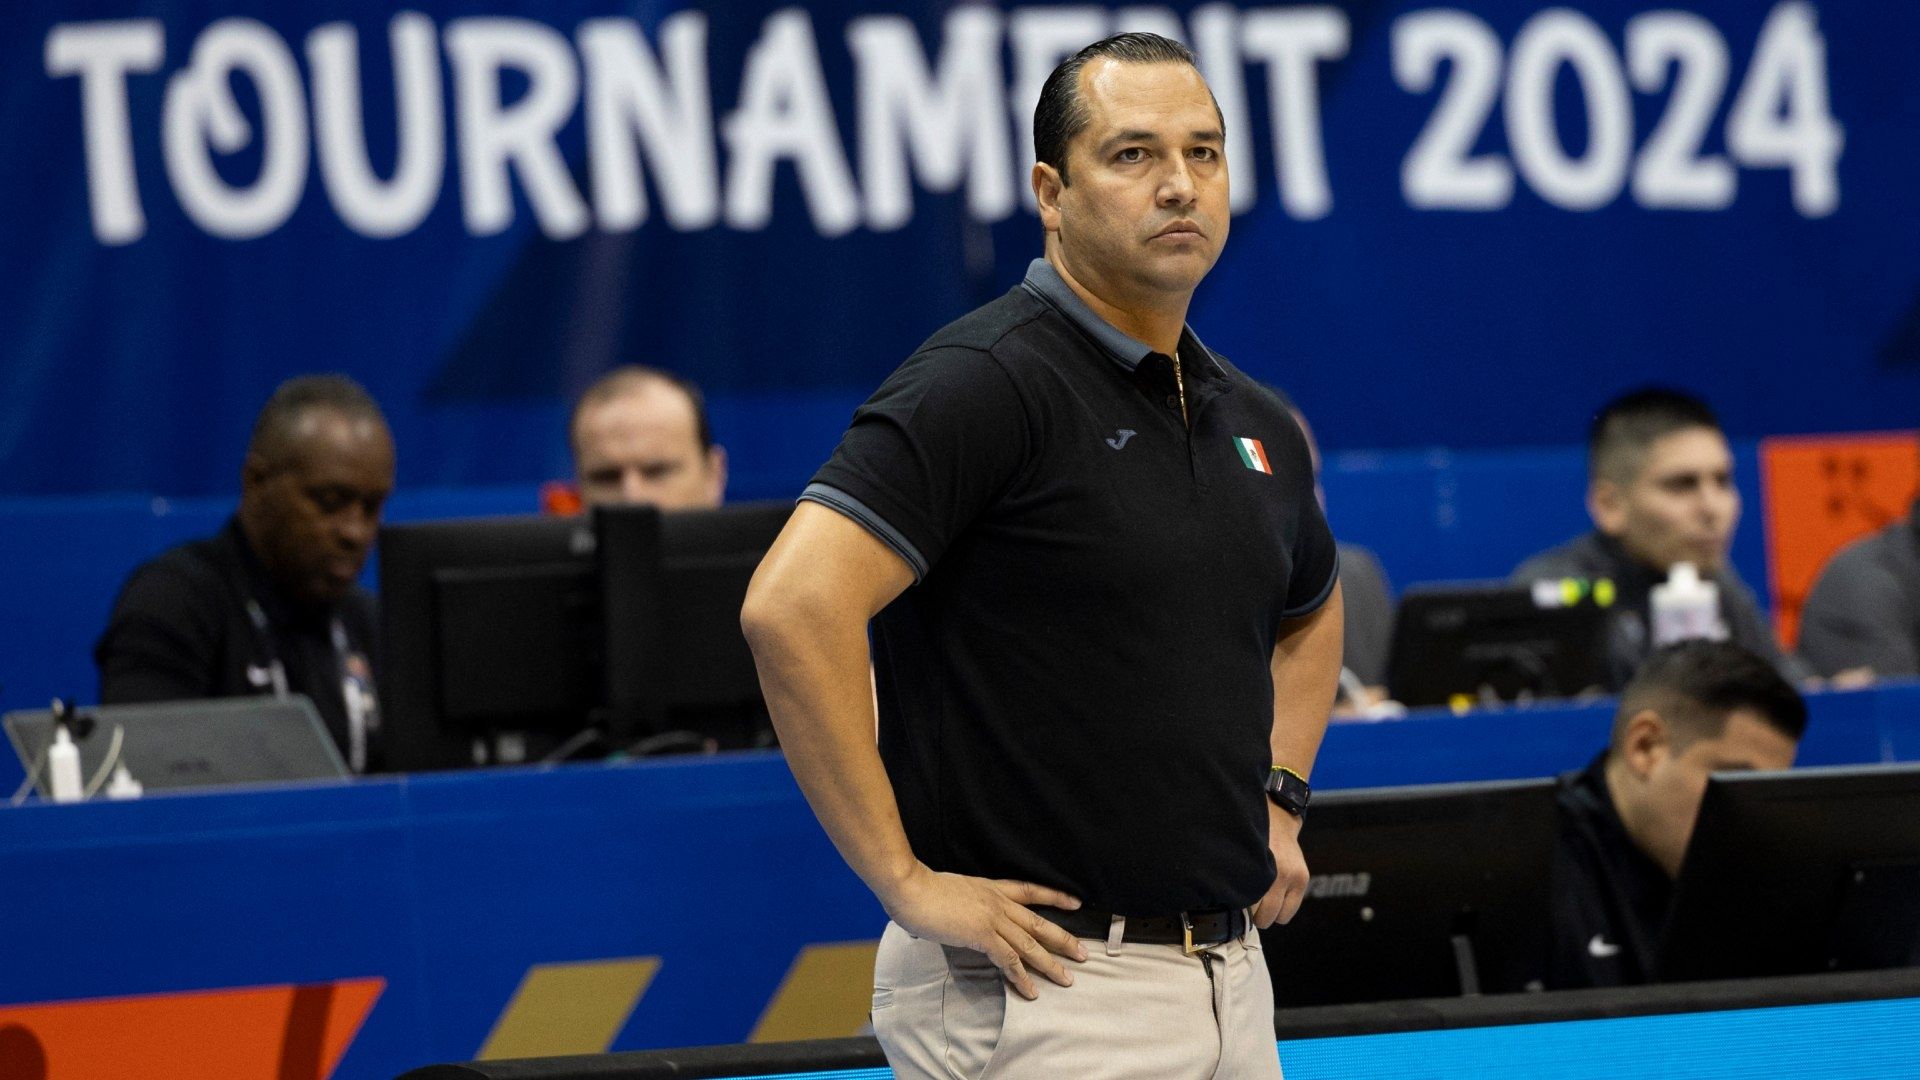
<point>1076,690</point>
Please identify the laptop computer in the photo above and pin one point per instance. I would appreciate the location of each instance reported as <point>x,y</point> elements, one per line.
<point>190,744</point>
<point>1493,640</point>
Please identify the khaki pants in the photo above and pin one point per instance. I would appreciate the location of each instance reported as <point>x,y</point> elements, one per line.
<point>1134,1012</point>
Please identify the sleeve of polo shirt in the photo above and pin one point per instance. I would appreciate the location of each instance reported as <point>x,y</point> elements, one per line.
<point>1316,557</point>
<point>940,440</point>
<point>1316,562</point>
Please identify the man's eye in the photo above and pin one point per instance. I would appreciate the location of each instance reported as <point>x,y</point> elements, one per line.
<point>1131,154</point>
<point>1205,153</point>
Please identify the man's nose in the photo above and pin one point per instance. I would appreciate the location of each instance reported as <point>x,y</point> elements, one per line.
<point>1719,506</point>
<point>1176,184</point>
<point>633,486</point>
<point>357,526</point>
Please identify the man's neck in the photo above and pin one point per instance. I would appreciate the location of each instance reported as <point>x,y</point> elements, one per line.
<point>1613,774</point>
<point>1155,324</point>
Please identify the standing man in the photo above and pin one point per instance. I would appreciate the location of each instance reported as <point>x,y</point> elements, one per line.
<point>272,604</point>
<point>1105,625</point>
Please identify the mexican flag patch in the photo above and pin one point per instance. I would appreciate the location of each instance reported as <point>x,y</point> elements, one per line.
<point>1253,455</point>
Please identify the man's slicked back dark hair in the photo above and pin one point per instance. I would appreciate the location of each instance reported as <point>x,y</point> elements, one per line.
<point>1062,113</point>
<point>275,428</point>
<point>1626,426</point>
<point>1695,685</point>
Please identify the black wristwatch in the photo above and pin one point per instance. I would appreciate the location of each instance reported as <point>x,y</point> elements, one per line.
<point>1289,790</point>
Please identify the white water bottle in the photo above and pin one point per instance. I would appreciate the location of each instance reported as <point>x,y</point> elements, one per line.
<point>1686,608</point>
<point>63,767</point>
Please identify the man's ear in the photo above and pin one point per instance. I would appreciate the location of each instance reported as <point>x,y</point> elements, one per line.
<point>1047,185</point>
<point>254,472</point>
<point>1607,506</point>
<point>1645,742</point>
<point>717,473</point>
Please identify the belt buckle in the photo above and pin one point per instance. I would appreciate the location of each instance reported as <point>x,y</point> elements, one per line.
<point>1186,935</point>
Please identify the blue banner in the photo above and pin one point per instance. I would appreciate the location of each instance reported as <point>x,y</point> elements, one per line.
<point>1458,225</point>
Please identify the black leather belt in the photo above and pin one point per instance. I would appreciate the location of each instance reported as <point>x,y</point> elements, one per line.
<point>1191,930</point>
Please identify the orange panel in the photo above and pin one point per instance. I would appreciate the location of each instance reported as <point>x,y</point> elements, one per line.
<point>1822,491</point>
<point>256,1033</point>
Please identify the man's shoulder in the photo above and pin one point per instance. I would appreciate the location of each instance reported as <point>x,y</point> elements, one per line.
<point>1893,550</point>
<point>1359,564</point>
<point>991,327</point>
<point>1580,556</point>
<point>1873,567</point>
<point>186,573</point>
<point>982,356</point>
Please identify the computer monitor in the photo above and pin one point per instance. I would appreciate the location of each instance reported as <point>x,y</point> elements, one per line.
<point>1493,641</point>
<point>673,585</point>
<point>504,639</point>
<point>490,631</point>
<point>1799,872</point>
<point>1417,892</point>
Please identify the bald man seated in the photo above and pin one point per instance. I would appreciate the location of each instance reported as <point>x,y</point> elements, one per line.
<point>271,605</point>
<point>641,438</point>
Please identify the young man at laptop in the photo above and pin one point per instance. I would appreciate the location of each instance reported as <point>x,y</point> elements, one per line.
<point>1660,491</point>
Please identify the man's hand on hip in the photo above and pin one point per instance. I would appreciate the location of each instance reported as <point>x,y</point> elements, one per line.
<point>1289,886</point>
<point>989,917</point>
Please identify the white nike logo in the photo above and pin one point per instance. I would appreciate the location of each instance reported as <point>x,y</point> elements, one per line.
<point>1600,949</point>
<point>1121,442</point>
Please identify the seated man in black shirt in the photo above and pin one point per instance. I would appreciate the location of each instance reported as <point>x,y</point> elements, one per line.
<point>1693,709</point>
<point>1862,619</point>
<point>270,605</point>
<point>1368,632</point>
<point>1660,492</point>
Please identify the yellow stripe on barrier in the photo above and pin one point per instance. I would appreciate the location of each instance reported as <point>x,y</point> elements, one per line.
<point>573,1008</point>
<point>827,994</point>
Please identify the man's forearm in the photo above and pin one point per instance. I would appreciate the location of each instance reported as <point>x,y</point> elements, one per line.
<point>1306,677</point>
<point>816,677</point>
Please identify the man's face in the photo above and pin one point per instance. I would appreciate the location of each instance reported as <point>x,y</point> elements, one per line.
<point>1660,798</point>
<point>643,447</point>
<point>1145,213</point>
<point>313,514</point>
<point>1681,506</point>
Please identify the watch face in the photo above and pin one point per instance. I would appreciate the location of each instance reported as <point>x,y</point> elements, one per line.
<point>1288,791</point>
